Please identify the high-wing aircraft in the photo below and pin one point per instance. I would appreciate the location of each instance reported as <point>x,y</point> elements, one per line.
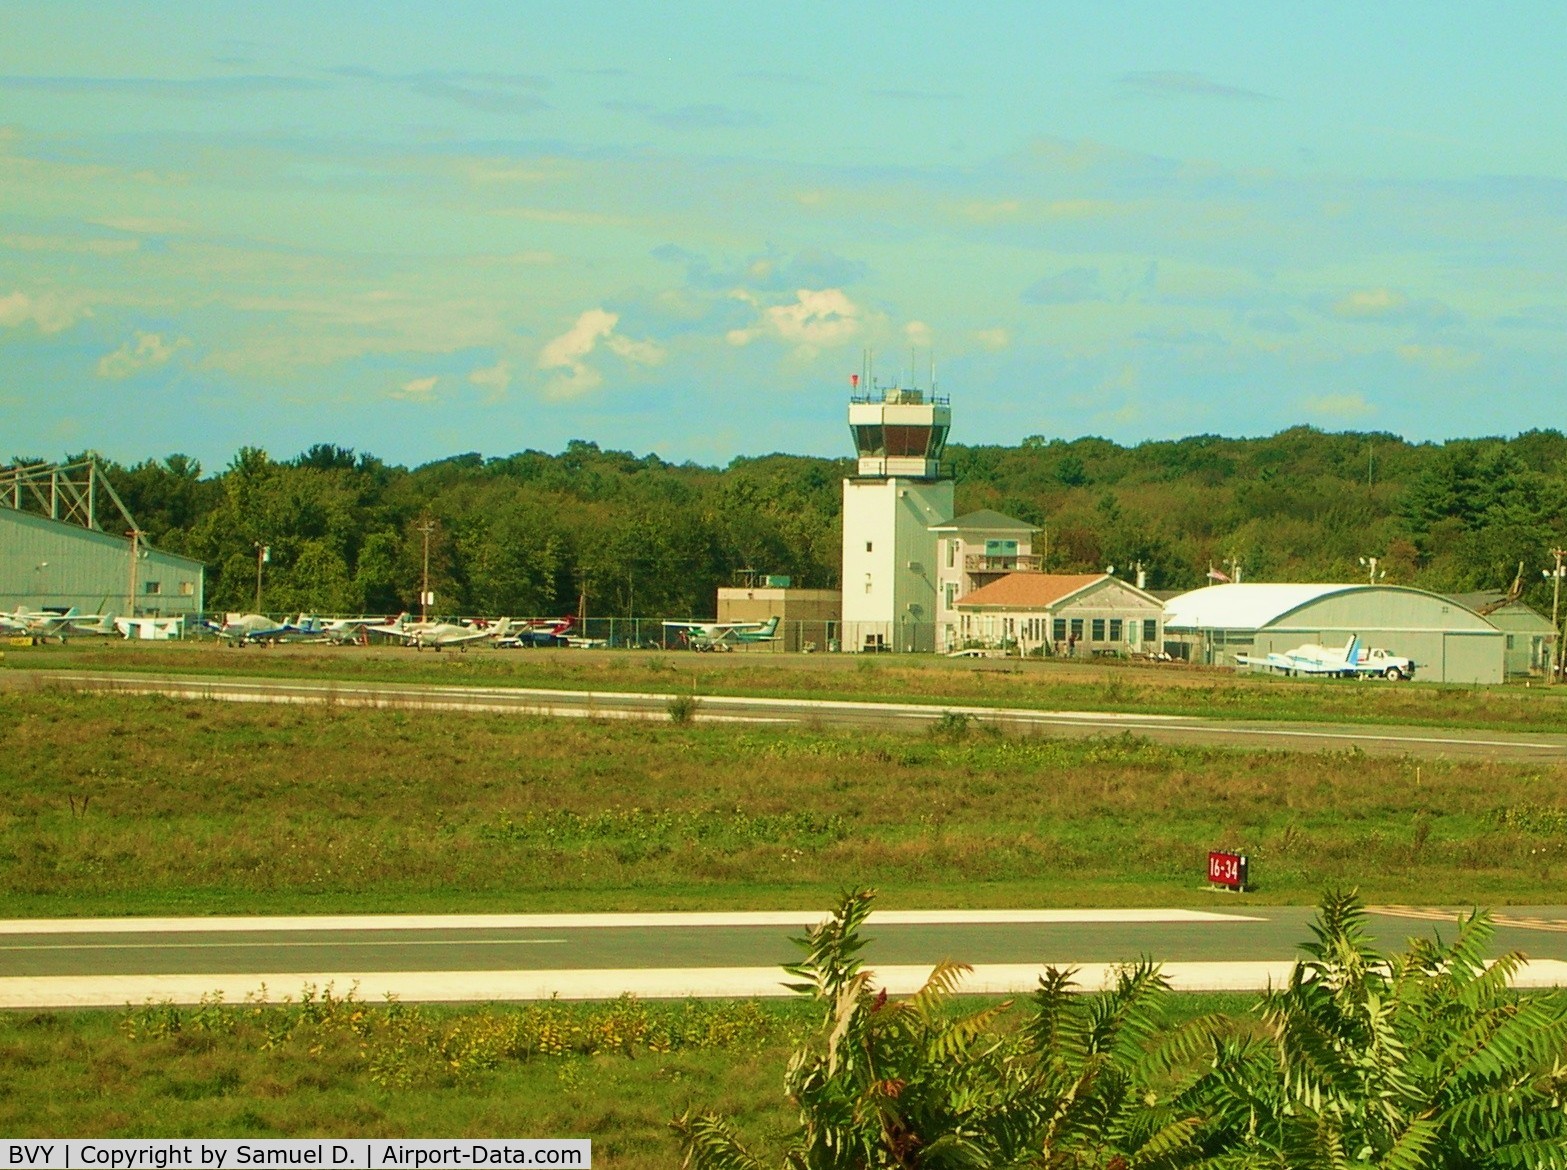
<point>1309,659</point>
<point>439,635</point>
<point>542,633</point>
<point>707,636</point>
<point>44,623</point>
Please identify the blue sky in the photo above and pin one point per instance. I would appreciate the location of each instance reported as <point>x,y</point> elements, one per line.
<point>418,230</point>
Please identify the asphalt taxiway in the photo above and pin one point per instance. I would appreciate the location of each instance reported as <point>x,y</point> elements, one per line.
<point>106,962</point>
<point>1417,742</point>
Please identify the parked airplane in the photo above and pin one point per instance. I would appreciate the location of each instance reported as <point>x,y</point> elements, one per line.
<point>338,631</point>
<point>443,634</point>
<point>150,629</point>
<point>101,626</point>
<point>238,629</point>
<point>707,636</point>
<point>542,633</point>
<point>1308,659</point>
<point>44,623</point>
<point>1352,660</point>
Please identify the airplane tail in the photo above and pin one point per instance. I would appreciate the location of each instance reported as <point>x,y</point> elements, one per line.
<point>1352,650</point>
<point>502,628</point>
<point>771,628</point>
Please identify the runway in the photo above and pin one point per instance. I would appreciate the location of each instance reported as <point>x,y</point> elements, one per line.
<point>1420,742</point>
<point>94,962</point>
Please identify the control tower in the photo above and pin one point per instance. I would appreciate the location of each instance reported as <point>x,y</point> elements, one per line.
<point>898,493</point>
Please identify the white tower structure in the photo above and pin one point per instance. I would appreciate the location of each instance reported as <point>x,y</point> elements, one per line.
<point>889,507</point>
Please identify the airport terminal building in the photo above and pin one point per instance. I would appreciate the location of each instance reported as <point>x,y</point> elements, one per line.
<point>1448,641</point>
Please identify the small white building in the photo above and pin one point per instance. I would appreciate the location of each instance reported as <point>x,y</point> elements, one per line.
<point>1078,615</point>
<point>973,551</point>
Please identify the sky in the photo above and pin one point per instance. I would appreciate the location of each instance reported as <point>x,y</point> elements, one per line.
<point>679,227</point>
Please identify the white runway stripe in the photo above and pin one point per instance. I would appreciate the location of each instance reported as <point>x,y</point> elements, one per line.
<point>676,983</point>
<point>798,919</point>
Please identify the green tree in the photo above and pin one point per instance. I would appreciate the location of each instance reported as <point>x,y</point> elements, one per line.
<point>1089,1080</point>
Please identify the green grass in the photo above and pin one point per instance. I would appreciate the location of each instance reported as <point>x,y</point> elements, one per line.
<point>1092,686</point>
<point>142,805</point>
<point>616,1073</point>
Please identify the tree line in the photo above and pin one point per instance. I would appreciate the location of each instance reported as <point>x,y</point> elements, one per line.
<point>531,533</point>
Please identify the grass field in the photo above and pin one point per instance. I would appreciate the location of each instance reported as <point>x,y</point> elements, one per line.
<point>1090,686</point>
<point>334,1067</point>
<point>140,805</point>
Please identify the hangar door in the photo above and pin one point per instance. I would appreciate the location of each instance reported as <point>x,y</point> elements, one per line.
<point>1470,657</point>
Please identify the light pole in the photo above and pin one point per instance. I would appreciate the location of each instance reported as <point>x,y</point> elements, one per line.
<point>1371,564</point>
<point>1556,600</point>
<point>424,589</point>
<point>263,555</point>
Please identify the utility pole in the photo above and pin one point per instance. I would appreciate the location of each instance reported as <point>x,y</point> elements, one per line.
<point>135,534</point>
<point>263,555</point>
<point>1556,601</point>
<point>424,588</point>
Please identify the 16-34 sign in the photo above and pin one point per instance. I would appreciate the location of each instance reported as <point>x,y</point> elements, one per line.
<point>1227,869</point>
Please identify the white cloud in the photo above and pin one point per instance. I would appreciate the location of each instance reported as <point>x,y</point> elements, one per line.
<point>1352,405</point>
<point>50,312</point>
<point>1370,303</point>
<point>494,378</point>
<point>147,352</point>
<point>566,354</point>
<point>918,334</point>
<point>643,353</point>
<point>1442,358</point>
<point>817,319</point>
<point>418,390</point>
<point>993,339</point>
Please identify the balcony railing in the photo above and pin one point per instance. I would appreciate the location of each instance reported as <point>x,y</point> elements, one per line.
<point>980,563</point>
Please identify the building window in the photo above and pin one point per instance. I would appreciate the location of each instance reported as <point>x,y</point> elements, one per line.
<point>1509,641</point>
<point>187,589</point>
<point>952,594</point>
<point>952,554</point>
<point>867,546</point>
<point>1077,628</point>
<point>151,587</point>
<point>1058,630</point>
<point>1115,629</point>
<point>1099,629</point>
<point>1150,629</point>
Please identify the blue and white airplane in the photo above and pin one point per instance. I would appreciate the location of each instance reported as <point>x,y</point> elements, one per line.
<point>1349,662</point>
<point>1309,659</point>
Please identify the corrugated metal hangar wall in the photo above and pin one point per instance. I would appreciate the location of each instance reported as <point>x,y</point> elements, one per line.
<point>46,562</point>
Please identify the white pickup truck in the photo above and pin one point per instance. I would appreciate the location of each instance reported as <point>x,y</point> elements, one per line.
<point>1377,661</point>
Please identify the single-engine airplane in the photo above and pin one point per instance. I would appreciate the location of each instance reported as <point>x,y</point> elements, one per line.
<point>710,636</point>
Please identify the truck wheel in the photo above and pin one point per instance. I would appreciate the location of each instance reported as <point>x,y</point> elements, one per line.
<point>1393,673</point>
